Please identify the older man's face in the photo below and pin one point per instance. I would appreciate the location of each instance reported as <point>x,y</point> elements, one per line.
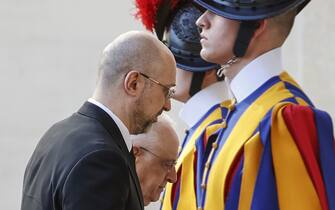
<point>156,170</point>
<point>155,166</point>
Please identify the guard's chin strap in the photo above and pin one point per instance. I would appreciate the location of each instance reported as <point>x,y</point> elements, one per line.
<point>219,77</point>
<point>244,35</point>
<point>243,38</point>
<point>196,82</point>
<point>198,78</point>
<point>221,71</point>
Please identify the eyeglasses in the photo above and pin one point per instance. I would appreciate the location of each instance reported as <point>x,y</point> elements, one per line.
<point>169,90</point>
<point>168,164</point>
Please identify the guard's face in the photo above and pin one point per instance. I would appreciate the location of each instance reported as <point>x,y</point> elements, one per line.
<point>218,36</point>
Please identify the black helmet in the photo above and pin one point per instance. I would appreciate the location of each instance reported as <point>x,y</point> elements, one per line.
<point>251,9</point>
<point>183,39</point>
<point>249,12</point>
<point>174,24</point>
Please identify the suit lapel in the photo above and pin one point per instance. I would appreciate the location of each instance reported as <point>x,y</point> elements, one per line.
<point>93,111</point>
<point>134,176</point>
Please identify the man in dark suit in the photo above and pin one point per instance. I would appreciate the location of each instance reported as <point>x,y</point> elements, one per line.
<point>84,162</point>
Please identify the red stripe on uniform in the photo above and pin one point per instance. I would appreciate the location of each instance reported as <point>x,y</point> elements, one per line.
<point>300,122</point>
<point>175,186</point>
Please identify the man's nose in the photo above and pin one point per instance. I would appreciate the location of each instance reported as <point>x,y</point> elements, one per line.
<point>172,175</point>
<point>167,105</point>
<point>201,21</point>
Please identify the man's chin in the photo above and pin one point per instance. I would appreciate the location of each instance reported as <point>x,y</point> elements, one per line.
<point>206,55</point>
<point>142,128</point>
<point>146,202</point>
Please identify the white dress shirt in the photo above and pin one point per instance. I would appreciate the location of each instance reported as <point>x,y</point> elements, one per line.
<point>124,130</point>
<point>199,104</point>
<point>256,74</point>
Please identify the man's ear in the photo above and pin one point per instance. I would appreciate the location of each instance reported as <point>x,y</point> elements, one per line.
<point>133,84</point>
<point>261,28</point>
<point>136,151</point>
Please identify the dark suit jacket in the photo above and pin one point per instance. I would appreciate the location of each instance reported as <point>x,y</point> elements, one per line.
<point>82,163</point>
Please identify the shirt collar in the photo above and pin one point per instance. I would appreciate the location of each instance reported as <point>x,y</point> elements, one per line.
<point>256,73</point>
<point>199,104</point>
<point>124,130</point>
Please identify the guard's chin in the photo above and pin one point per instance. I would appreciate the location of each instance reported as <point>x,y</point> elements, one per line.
<point>205,55</point>
<point>210,55</point>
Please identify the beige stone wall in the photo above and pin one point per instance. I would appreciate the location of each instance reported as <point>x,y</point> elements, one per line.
<point>309,53</point>
<point>49,51</point>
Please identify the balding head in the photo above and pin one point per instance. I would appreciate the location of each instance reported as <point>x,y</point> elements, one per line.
<point>135,75</point>
<point>134,50</point>
<point>159,137</point>
<point>155,153</point>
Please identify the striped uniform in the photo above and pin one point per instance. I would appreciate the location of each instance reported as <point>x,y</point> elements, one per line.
<point>273,150</point>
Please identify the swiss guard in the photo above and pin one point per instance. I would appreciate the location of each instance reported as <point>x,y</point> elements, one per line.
<point>199,85</point>
<point>270,148</point>
<point>274,150</point>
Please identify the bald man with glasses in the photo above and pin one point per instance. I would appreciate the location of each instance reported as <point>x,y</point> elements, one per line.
<point>84,161</point>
